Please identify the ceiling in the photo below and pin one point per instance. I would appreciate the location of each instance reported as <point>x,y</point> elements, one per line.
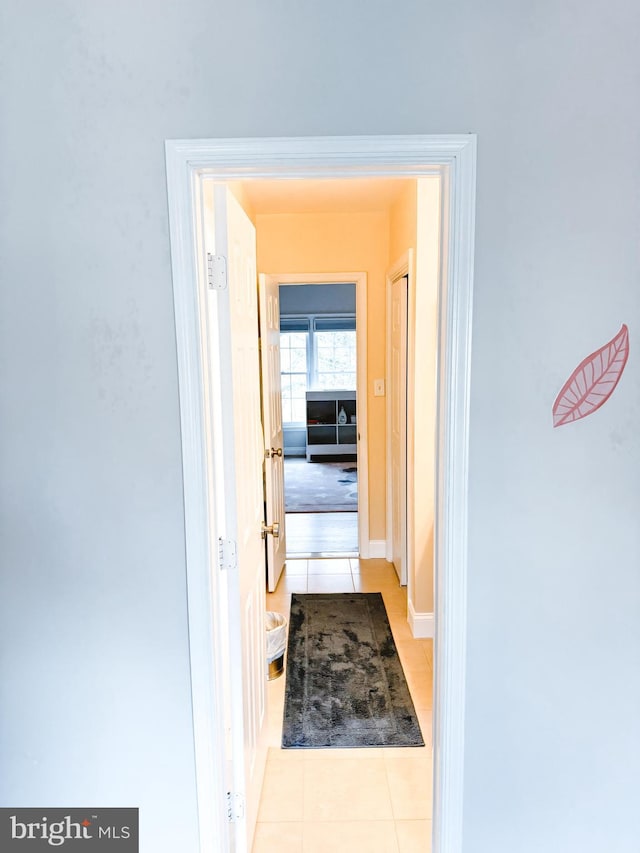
<point>351,195</point>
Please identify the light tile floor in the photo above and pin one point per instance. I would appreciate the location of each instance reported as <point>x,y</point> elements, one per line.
<point>355,800</point>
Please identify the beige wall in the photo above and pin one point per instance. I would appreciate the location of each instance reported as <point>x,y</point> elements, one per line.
<point>403,222</point>
<point>424,386</point>
<point>403,225</point>
<point>342,242</point>
<point>372,242</point>
<point>413,224</point>
<point>239,190</point>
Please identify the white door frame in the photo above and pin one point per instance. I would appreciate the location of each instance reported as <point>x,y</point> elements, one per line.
<point>360,281</point>
<point>404,266</point>
<point>453,158</point>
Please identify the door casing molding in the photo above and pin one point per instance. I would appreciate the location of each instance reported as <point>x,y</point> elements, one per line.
<point>453,157</point>
<point>404,266</point>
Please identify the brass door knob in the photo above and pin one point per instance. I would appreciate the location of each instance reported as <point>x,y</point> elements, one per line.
<point>273,529</point>
<point>268,454</point>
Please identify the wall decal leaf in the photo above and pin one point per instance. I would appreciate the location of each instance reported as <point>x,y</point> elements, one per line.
<point>593,381</point>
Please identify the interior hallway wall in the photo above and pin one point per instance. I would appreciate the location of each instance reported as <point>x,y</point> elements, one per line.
<point>342,242</point>
<point>95,700</point>
<point>410,218</point>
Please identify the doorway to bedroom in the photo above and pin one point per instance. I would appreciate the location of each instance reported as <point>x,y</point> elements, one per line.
<point>318,364</point>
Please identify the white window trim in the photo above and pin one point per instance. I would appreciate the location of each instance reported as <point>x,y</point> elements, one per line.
<point>315,384</point>
<point>286,425</point>
<point>312,353</point>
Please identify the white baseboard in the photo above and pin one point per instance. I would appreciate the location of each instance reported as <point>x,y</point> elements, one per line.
<point>423,625</point>
<point>377,549</point>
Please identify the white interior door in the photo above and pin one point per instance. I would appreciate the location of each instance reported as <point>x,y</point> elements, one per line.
<point>398,403</point>
<point>272,426</point>
<point>241,502</point>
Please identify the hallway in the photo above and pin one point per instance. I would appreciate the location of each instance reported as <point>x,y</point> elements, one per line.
<point>374,800</point>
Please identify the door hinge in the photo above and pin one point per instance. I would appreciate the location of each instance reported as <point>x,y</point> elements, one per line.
<point>216,271</point>
<point>227,554</point>
<point>235,806</point>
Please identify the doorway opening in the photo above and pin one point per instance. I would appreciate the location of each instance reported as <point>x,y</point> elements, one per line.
<point>322,338</point>
<point>318,368</point>
<point>314,331</point>
<point>222,696</point>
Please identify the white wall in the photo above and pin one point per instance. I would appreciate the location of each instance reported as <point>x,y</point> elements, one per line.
<point>95,681</point>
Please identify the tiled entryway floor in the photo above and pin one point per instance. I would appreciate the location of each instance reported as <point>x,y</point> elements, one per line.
<point>356,800</point>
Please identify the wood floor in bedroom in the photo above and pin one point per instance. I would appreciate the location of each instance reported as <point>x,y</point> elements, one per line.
<point>322,534</point>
